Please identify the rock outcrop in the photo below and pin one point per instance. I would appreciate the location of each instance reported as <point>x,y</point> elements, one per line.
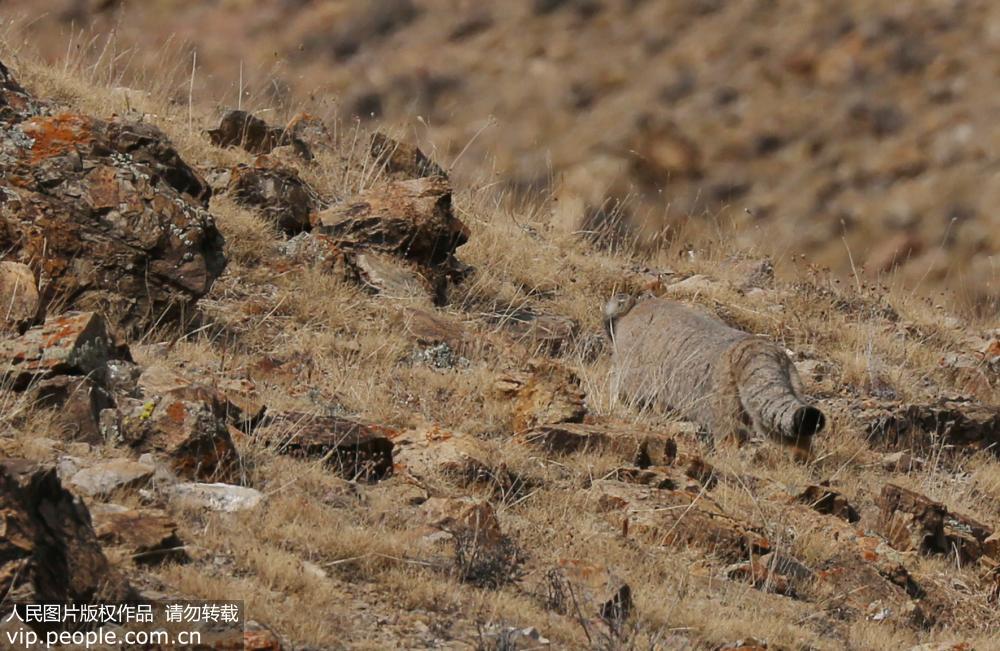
<point>48,551</point>
<point>106,213</point>
<point>676,358</point>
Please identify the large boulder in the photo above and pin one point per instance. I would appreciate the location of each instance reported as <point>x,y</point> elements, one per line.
<point>105,212</point>
<point>48,550</point>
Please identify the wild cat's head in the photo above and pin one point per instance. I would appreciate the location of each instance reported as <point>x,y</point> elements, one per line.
<point>617,307</point>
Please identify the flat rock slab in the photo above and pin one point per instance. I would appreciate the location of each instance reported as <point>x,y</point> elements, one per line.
<point>675,517</point>
<point>110,476</point>
<point>145,535</point>
<point>226,498</point>
<point>393,278</point>
<point>632,443</point>
<point>434,452</point>
<point>913,522</point>
<point>924,425</point>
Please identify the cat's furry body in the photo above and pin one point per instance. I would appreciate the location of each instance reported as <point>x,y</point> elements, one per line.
<point>676,358</point>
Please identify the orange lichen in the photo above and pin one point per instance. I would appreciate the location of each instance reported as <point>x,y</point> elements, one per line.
<point>57,135</point>
<point>177,412</point>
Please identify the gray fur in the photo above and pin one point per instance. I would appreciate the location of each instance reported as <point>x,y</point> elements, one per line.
<point>676,358</point>
<point>617,306</point>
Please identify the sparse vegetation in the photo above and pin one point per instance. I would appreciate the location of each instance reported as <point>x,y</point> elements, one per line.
<point>357,562</point>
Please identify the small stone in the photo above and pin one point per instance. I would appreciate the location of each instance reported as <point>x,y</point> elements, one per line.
<point>314,570</point>
<point>226,498</point>
<point>244,130</point>
<point>277,193</point>
<point>19,300</point>
<point>402,161</point>
<point>78,402</point>
<point>902,461</point>
<point>828,501</point>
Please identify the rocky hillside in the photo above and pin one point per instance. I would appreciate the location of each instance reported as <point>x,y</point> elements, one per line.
<point>860,135</point>
<point>303,367</point>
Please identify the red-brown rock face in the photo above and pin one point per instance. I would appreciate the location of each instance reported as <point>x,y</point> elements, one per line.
<point>107,213</point>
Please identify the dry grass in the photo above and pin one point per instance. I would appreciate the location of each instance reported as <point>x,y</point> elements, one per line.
<point>348,351</point>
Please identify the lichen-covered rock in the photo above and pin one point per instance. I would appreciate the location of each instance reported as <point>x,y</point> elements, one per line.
<point>191,433</point>
<point>77,343</point>
<point>105,212</point>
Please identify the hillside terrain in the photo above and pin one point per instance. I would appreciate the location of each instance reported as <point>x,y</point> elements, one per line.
<point>859,132</point>
<point>300,363</point>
